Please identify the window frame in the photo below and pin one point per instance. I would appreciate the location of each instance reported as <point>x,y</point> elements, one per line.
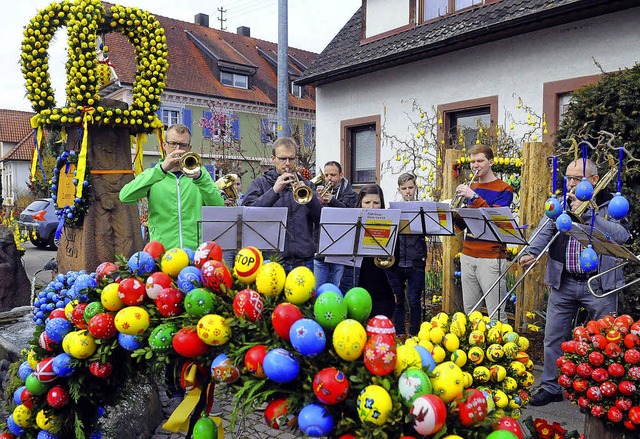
<point>451,10</point>
<point>298,88</point>
<point>447,110</point>
<point>168,123</point>
<point>234,78</point>
<point>347,128</point>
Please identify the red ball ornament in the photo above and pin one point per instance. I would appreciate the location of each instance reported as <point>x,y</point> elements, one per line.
<point>580,385</point>
<point>207,251</point>
<point>248,305</point>
<point>634,414</point>
<point>596,359</point>
<point>215,274</point>
<point>105,269</point>
<point>284,315</point>
<point>101,370</point>
<point>253,360</point>
<point>155,283</point>
<point>44,370</point>
<point>132,291</point>
<point>613,350</point>
<point>616,370</point>
<point>26,398</point>
<point>102,326</point>
<point>77,316</point>
<point>58,313</point>
<point>330,386</point>
<point>57,397</point>
<point>169,302</point>
<point>155,249</point>
<point>187,343</point>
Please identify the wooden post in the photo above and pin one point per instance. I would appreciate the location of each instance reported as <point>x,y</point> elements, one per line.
<point>535,189</point>
<point>451,245</point>
<point>594,428</point>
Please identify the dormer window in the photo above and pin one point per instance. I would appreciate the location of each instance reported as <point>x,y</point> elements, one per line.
<point>236,80</point>
<point>296,90</point>
<point>432,9</point>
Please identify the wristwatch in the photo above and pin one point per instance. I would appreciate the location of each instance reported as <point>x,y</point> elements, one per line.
<point>474,198</point>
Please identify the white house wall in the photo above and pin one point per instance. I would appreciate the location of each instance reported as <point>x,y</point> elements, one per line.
<point>519,65</point>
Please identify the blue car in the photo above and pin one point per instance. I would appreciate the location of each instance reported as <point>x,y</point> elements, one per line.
<point>40,216</point>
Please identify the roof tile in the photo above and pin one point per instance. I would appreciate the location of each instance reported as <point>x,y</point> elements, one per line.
<point>14,125</point>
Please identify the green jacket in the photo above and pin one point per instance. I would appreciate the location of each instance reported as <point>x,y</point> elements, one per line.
<point>175,204</point>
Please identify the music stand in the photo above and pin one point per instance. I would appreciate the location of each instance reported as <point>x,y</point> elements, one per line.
<point>493,224</point>
<point>600,242</point>
<point>424,218</point>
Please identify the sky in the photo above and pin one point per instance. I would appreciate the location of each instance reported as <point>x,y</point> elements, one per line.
<point>312,25</point>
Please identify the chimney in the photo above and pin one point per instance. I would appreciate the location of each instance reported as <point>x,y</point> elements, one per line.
<point>201,19</point>
<point>244,31</point>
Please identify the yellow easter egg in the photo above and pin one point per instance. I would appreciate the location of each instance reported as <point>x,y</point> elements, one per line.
<point>426,344</point>
<point>411,342</point>
<point>270,279</point>
<point>425,326</point>
<point>424,334</point>
<point>21,415</point>
<point>173,261</point>
<point>498,373</point>
<point>299,285</point>
<point>349,339</point>
<point>82,345</point>
<point>523,343</point>
<point>509,385</point>
<point>46,422</point>
<point>527,380</point>
<point>32,360</point>
<point>467,379</point>
<point>439,354</point>
<point>408,357</point>
<point>510,336</point>
<point>475,316</point>
<point>213,330</point>
<point>110,299</point>
<point>517,368</point>
<point>436,335</point>
<point>374,405</point>
<point>476,338</point>
<point>529,364</point>
<point>494,352</point>
<point>500,398</point>
<point>506,328</point>
<point>67,340</point>
<point>481,374</point>
<point>458,324</point>
<point>494,335</point>
<point>447,381</point>
<point>68,309</point>
<point>479,325</point>
<point>452,436</point>
<point>459,357</point>
<point>247,263</point>
<point>510,350</point>
<point>451,342</point>
<point>132,320</point>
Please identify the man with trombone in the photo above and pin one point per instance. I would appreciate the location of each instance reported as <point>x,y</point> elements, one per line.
<point>567,279</point>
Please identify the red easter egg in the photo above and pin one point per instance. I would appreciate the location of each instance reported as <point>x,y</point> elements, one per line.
<point>207,251</point>
<point>248,305</point>
<point>102,326</point>
<point>26,398</point>
<point>169,302</point>
<point>430,414</point>
<point>44,370</point>
<point>7,436</point>
<point>277,415</point>
<point>58,313</point>
<point>132,291</point>
<point>77,315</point>
<point>57,397</point>
<point>101,370</point>
<point>253,360</point>
<point>155,283</point>
<point>508,424</point>
<point>380,354</point>
<point>215,274</point>
<point>284,315</point>
<point>154,248</point>
<point>105,269</point>
<point>45,342</point>
<point>187,343</point>
<point>331,386</point>
<point>381,325</point>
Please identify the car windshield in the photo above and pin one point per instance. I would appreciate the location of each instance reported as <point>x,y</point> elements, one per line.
<point>38,205</point>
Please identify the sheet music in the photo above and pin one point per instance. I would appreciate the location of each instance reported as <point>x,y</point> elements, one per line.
<point>438,217</point>
<point>495,224</point>
<point>220,224</point>
<point>600,243</point>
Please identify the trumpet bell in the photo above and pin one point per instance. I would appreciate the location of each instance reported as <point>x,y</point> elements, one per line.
<point>190,163</point>
<point>226,184</point>
<point>384,261</point>
<point>302,195</point>
<point>319,179</point>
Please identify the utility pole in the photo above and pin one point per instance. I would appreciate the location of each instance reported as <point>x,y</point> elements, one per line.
<point>283,70</point>
<point>222,19</point>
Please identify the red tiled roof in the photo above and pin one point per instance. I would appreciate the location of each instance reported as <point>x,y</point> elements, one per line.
<point>14,125</point>
<point>23,150</point>
<point>192,71</point>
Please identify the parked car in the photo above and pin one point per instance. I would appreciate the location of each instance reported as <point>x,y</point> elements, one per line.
<point>40,216</point>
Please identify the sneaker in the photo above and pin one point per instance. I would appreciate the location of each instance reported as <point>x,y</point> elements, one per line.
<point>544,397</point>
<point>215,410</point>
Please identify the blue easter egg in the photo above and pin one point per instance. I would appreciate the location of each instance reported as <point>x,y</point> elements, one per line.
<point>307,337</point>
<point>553,207</point>
<point>16,395</point>
<point>428,362</point>
<point>84,281</point>
<point>328,287</point>
<point>218,360</point>
<point>315,421</point>
<point>190,253</point>
<point>24,370</point>
<point>129,342</point>
<point>618,206</point>
<point>141,263</point>
<point>584,190</point>
<point>13,427</point>
<point>45,434</point>
<point>564,223</point>
<point>280,365</point>
<point>57,328</point>
<point>589,260</point>
<point>96,435</point>
<point>189,278</point>
<point>62,365</point>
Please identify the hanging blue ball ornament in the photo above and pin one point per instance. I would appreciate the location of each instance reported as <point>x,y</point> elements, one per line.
<point>584,190</point>
<point>618,206</point>
<point>589,260</point>
<point>563,222</point>
<point>553,207</point>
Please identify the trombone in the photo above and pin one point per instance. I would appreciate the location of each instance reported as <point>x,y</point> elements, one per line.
<point>226,184</point>
<point>600,185</point>
<point>599,275</point>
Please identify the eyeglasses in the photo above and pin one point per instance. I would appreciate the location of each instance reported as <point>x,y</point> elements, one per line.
<point>180,145</point>
<point>287,159</point>
<point>571,178</point>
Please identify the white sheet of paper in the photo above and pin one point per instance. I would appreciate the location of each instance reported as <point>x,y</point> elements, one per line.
<point>438,217</point>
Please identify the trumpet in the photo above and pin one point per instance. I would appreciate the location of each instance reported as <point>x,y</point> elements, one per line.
<point>384,261</point>
<point>301,193</point>
<point>320,180</point>
<point>190,164</point>
<point>457,200</point>
<point>226,184</point>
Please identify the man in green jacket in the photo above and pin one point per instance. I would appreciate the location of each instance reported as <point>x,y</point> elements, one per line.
<point>175,199</point>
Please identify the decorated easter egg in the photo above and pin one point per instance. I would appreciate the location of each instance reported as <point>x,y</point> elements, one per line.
<point>161,338</point>
<point>129,342</point>
<point>315,421</point>
<point>34,385</point>
<point>84,282</point>
<point>110,299</point>
<point>106,269</point>
<point>472,407</point>
<point>199,302</point>
<point>430,414</point>
<point>359,304</point>
<point>17,396</point>
<point>77,316</point>
<point>428,363</point>
<point>155,283</point>
<point>169,302</point>
<point>564,222</point>
<point>277,415</point>
<point>154,248</point>
<point>101,370</point>
<point>247,263</point>
<point>213,329</point>
<point>173,261</point>
<point>141,263</point>
<point>326,287</point>
<point>45,342</point>
<point>92,309</point>
<point>13,427</point>
<point>330,386</point>
<point>253,359</point>
<point>349,339</point>
<point>132,320</point>
<point>21,415</point>
<point>62,365</point>
<point>216,276</point>
<point>381,325</point>
<point>270,279</point>
<point>207,251</point>
<point>44,370</point>
<point>57,313</point>
<point>248,305</point>
<point>584,190</point>
<point>68,309</point>
<point>618,206</point>
<point>509,424</point>
<point>374,405</point>
<point>380,354</point>
<point>458,325</point>
<point>408,358</point>
<point>447,381</point>
<point>329,309</point>
<point>501,434</point>
<point>205,428</point>
<point>189,278</point>
<point>412,384</point>
<point>283,316</point>
<point>223,370</point>
<point>307,337</point>
<point>24,370</point>
<point>553,207</point>
<point>57,328</point>
<point>280,365</point>
<point>132,291</point>
<point>102,326</point>
<point>589,259</point>
<point>46,422</point>
<point>299,285</point>
<point>187,343</point>
<point>81,345</point>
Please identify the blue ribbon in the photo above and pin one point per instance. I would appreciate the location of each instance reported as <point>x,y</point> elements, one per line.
<point>59,228</point>
<point>593,221</point>
<point>555,174</point>
<point>620,151</point>
<point>564,189</point>
<point>585,151</point>
<point>39,151</point>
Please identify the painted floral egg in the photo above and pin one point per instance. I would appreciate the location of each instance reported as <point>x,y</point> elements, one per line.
<point>132,320</point>
<point>349,339</point>
<point>248,305</point>
<point>270,279</point>
<point>277,415</point>
<point>102,326</point>
<point>187,343</point>
<point>509,424</point>
<point>44,370</point>
<point>330,386</point>
<point>359,304</point>
<point>280,366</point>
<point>283,316</point>
<point>169,302</point>
<point>408,358</point>
<point>381,325</point>
<point>154,248</point>
<point>45,342</point>
<point>155,283</point>
<point>430,414</point>
<point>173,261</point>
<point>92,309</point>
<point>132,291</point>
<point>105,269</point>
<point>315,421</point>
<point>216,276</point>
<point>189,278</point>
<point>329,309</point>
<point>199,302</point>
<point>21,415</point>
<point>374,405</point>
<point>57,397</point>
<point>62,365</point>
<point>129,342</point>
<point>380,354</point>
<point>253,359</point>
<point>213,330</point>
<point>160,339</point>
<point>247,263</point>
<point>207,251</point>
<point>141,263</point>
<point>81,344</point>
<point>223,370</point>
<point>307,337</point>
<point>110,299</point>
<point>57,328</point>
<point>412,384</point>
<point>77,316</point>
<point>299,285</point>
<point>447,381</point>
<point>101,370</point>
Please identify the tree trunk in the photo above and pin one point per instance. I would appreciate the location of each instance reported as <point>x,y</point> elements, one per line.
<point>451,245</point>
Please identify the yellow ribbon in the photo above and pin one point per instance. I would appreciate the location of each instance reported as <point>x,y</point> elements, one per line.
<point>160,134</point>
<point>82,158</point>
<point>36,151</point>
<point>141,139</point>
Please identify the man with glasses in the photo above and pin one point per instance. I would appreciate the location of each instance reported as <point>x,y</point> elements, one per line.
<point>567,279</point>
<point>175,199</point>
<point>275,189</point>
